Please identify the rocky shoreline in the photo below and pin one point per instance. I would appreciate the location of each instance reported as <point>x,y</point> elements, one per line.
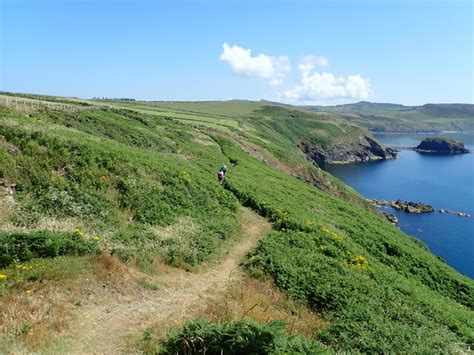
<point>412,207</point>
<point>362,149</point>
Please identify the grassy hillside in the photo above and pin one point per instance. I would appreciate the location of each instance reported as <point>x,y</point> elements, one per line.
<point>373,282</point>
<point>398,118</point>
<point>137,180</point>
<point>115,175</point>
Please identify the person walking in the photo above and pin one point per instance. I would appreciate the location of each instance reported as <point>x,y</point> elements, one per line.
<point>220,177</point>
<point>223,168</point>
<point>221,174</point>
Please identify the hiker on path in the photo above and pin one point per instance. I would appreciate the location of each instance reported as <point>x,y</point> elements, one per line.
<point>220,177</point>
<point>221,174</point>
<point>223,168</point>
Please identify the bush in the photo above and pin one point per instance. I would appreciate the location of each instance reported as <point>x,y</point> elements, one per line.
<point>24,246</point>
<point>240,337</point>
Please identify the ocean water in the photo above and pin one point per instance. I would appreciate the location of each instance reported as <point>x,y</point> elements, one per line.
<point>443,181</point>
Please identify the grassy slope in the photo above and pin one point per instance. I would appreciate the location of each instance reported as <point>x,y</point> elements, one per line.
<point>135,178</point>
<point>271,129</point>
<point>373,306</point>
<point>121,175</point>
<point>398,118</point>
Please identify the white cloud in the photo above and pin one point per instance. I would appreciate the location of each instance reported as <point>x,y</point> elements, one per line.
<point>263,66</point>
<point>315,60</point>
<point>315,86</point>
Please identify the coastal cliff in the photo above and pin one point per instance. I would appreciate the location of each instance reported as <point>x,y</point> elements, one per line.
<point>441,146</point>
<point>362,149</point>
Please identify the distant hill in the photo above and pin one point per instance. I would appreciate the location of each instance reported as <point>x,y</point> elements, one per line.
<point>448,110</point>
<point>386,117</point>
<point>361,106</point>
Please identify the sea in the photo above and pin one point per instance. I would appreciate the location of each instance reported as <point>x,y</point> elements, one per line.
<point>443,181</point>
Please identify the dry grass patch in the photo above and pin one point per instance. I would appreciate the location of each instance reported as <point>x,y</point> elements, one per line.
<point>245,297</point>
<point>40,300</point>
<point>178,235</point>
<point>261,301</point>
<point>182,227</point>
<point>205,141</point>
<point>7,208</point>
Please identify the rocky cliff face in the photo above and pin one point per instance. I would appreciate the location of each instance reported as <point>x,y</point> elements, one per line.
<point>441,146</point>
<point>362,149</point>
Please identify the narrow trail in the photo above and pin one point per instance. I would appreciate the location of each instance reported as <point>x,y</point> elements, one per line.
<point>103,329</point>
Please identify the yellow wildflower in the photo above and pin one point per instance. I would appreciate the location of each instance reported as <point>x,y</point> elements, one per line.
<point>79,233</point>
<point>336,236</point>
<point>324,229</point>
<point>358,263</point>
<point>3,277</point>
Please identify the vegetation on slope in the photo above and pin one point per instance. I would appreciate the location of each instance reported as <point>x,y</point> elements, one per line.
<point>239,337</point>
<point>21,246</point>
<point>144,184</point>
<point>117,178</point>
<point>373,282</point>
<point>267,131</point>
<point>379,117</point>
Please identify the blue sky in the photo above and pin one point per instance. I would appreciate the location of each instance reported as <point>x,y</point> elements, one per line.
<point>320,52</point>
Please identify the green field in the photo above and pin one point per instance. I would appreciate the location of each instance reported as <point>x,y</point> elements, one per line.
<point>137,180</point>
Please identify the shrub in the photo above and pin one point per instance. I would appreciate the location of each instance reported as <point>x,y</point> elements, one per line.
<point>239,337</point>
<point>24,246</point>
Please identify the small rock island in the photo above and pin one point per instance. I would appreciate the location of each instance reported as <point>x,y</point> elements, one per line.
<point>411,207</point>
<point>438,145</point>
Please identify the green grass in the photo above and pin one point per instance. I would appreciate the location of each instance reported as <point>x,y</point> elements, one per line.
<point>21,246</point>
<point>23,275</point>
<point>145,185</point>
<point>272,128</point>
<point>121,180</point>
<point>240,337</point>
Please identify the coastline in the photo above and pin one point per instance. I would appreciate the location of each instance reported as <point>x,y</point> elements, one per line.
<point>429,178</point>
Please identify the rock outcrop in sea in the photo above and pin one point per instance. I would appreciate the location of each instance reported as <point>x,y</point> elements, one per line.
<point>414,207</point>
<point>390,217</point>
<point>362,149</point>
<point>441,146</point>
<point>407,206</point>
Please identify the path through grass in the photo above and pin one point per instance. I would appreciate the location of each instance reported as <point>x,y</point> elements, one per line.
<point>106,327</point>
